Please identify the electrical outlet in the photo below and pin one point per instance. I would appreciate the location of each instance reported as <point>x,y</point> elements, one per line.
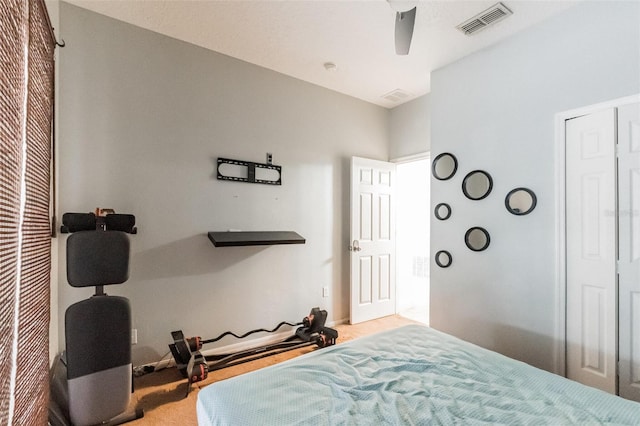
<point>134,336</point>
<point>325,291</point>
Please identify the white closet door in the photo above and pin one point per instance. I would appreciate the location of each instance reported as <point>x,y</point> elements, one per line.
<point>591,250</point>
<point>373,241</point>
<point>629,250</point>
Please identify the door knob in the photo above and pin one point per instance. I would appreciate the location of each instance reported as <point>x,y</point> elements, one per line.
<point>355,246</point>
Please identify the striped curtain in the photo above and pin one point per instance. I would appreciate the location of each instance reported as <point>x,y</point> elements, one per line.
<point>26,105</point>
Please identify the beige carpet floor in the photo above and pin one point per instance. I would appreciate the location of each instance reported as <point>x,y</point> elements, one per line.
<point>162,394</point>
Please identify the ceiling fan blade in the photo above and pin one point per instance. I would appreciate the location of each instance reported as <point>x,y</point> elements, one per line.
<point>404,30</point>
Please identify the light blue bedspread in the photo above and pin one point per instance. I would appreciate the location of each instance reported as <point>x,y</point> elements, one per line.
<point>410,376</point>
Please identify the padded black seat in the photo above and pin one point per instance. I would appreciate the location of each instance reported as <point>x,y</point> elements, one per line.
<point>98,330</point>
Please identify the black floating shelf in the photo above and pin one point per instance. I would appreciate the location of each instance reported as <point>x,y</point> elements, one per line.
<point>259,238</point>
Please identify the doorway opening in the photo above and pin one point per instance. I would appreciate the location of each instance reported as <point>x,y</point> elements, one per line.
<point>412,238</point>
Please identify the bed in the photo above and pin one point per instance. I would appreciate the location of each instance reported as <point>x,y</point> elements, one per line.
<point>412,375</point>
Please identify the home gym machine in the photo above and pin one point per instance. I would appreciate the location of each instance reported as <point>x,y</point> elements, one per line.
<point>91,381</point>
<point>195,366</point>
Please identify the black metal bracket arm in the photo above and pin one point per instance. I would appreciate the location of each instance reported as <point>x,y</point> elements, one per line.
<point>249,174</point>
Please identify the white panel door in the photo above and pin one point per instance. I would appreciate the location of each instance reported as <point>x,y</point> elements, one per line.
<point>372,244</point>
<point>629,250</point>
<point>591,250</point>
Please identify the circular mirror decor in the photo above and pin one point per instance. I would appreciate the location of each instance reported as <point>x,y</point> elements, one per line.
<point>444,166</point>
<point>443,259</point>
<point>477,238</point>
<point>477,185</point>
<point>520,201</point>
<point>442,211</point>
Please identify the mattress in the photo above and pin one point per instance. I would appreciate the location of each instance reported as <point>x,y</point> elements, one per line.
<point>413,375</point>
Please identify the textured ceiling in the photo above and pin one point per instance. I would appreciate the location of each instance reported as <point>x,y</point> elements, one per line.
<point>296,37</point>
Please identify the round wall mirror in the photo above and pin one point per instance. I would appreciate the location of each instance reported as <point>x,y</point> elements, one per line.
<point>520,201</point>
<point>477,185</point>
<point>443,259</point>
<point>477,238</point>
<point>444,166</point>
<point>442,211</point>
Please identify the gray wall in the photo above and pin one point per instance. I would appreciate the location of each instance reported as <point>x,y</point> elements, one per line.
<point>143,118</point>
<point>410,128</point>
<point>495,111</point>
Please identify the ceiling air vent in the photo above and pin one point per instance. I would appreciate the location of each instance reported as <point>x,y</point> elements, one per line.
<point>396,95</point>
<point>485,18</point>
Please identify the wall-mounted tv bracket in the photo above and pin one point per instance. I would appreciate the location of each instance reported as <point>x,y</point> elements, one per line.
<point>250,175</point>
<point>195,366</point>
